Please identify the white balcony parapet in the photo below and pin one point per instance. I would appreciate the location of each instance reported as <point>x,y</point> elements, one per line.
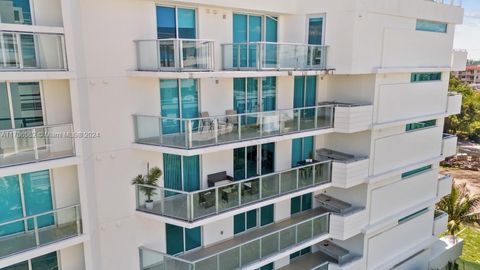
<point>446,249</point>
<point>454,103</point>
<point>194,133</point>
<point>444,186</point>
<point>245,250</point>
<point>175,54</point>
<point>448,2</point>
<point>347,170</point>
<point>459,60</point>
<point>449,145</point>
<point>345,225</point>
<point>439,222</point>
<point>346,220</point>
<point>192,206</point>
<point>43,229</point>
<point>274,56</point>
<point>33,144</point>
<point>351,118</point>
<point>28,51</point>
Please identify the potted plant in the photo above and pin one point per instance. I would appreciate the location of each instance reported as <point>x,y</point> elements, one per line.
<point>147,183</point>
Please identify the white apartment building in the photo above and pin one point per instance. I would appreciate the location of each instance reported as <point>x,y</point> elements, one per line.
<point>300,134</point>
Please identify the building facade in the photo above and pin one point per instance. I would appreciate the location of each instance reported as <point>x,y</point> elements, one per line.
<point>290,134</point>
<point>469,76</point>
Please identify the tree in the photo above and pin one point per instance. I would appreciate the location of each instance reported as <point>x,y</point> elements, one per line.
<point>467,123</point>
<point>461,208</point>
<point>147,183</point>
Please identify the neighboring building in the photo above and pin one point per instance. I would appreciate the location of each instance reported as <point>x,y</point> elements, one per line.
<point>291,134</point>
<point>469,76</point>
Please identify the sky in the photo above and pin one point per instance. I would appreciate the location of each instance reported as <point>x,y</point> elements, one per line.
<point>467,36</point>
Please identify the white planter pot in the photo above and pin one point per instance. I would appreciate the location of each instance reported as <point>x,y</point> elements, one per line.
<point>149,205</point>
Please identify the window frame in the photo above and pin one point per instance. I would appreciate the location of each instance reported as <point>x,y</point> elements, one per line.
<point>307,23</point>
<point>176,7</point>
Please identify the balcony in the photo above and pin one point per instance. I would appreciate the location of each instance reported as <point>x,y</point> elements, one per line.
<point>444,186</point>
<point>329,256</point>
<point>444,250</point>
<point>273,56</point>
<point>39,230</point>
<point>210,131</point>
<point>448,2</point>
<point>350,118</point>
<point>192,206</point>
<point>22,51</point>
<point>247,249</point>
<point>449,145</point>
<point>440,221</point>
<point>26,145</point>
<point>347,170</point>
<point>459,60</point>
<point>454,103</point>
<point>174,55</point>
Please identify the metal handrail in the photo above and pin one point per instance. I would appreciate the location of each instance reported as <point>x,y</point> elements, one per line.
<point>237,182</point>
<point>174,39</point>
<point>234,115</point>
<point>39,215</point>
<point>247,242</point>
<point>37,127</point>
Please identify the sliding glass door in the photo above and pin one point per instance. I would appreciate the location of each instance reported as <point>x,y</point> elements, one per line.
<point>181,239</point>
<point>302,149</point>
<point>178,99</point>
<point>254,160</point>
<point>181,172</point>
<point>253,28</point>
<point>20,105</point>
<point>25,195</point>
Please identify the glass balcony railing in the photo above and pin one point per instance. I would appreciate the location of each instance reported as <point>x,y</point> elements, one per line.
<point>208,131</point>
<point>175,55</point>
<point>448,2</point>
<point>25,145</point>
<point>32,51</point>
<point>191,206</point>
<point>246,249</point>
<point>30,232</point>
<point>273,56</point>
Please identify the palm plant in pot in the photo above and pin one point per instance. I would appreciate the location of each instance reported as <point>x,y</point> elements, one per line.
<point>146,183</point>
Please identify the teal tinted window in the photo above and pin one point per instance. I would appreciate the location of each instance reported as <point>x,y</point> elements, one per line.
<point>38,197</point>
<point>420,125</point>
<point>244,221</point>
<point>315,29</point>
<point>174,237</point>
<point>301,203</point>
<point>173,165</point>
<point>412,216</point>
<point>48,261</point>
<point>178,99</point>
<point>305,88</point>
<point>186,23</point>
<point>18,266</point>
<point>167,18</point>
<point>416,171</point>
<point>267,267</point>
<point>180,239</point>
<point>26,104</point>
<point>300,253</point>
<point>266,215</point>
<point>16,11</point>
<point>269,93</point>
<point>268,158</point>
<point>302,149</point>
<point>430,26</point>
<point>193,238</point>
<point>11,203</point>
<point>5,120</point>
<point>426,76</point>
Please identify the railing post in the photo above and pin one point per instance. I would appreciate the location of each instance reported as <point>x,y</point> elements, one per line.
<point>239,188</point>
<point>160,129</point>
<point>298,118</point>
<point>77,214</point>
<point>162,200</point>
<point>239,121</point>
<point>298,177</point>
<point>261,124</point>
<point>215,130</point>
<point>316,116</point>
<point>259,55</point>
<point>64,52</point>
<point>159,54</point>
<point>35,143</point>
<point>216,201</point>
<point>35,229</point>
<point>279,183</point>
<point>180,49</point>
<point>19,50</point>
<point>188,133</point>
<point>238,54</point>
<point>260,187</point>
